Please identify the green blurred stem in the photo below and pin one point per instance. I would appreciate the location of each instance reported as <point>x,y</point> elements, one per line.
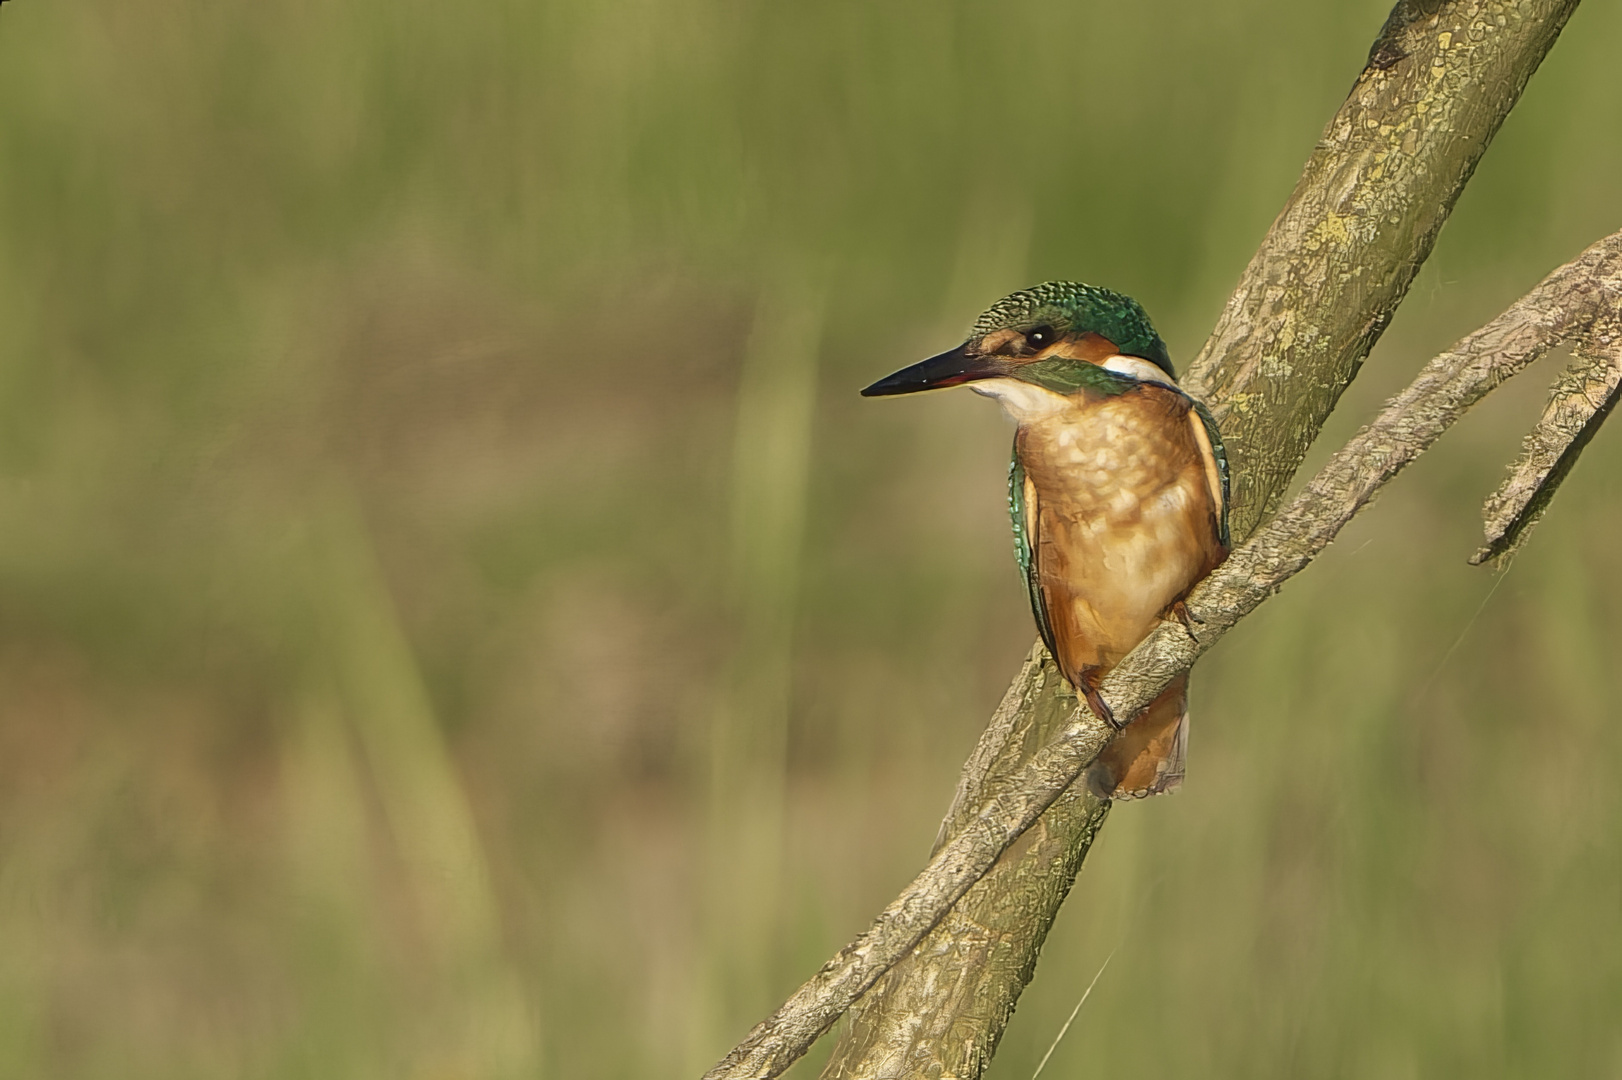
<point>1326,281</point>
<point>484,1024</point>
<point>749,729</point>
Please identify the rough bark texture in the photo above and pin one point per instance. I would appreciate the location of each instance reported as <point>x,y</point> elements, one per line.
<point>1375,192</point>
<point>1578,302</point>
<point>1322,287</point>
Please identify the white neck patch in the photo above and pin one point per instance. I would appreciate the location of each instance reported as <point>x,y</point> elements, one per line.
<point>1135,367</point>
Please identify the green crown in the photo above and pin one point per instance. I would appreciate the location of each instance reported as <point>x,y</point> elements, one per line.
<point>1075,308</point>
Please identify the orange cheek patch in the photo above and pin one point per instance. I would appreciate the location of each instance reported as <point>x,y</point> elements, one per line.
<point>998,340</point>
<point>1093,348</point>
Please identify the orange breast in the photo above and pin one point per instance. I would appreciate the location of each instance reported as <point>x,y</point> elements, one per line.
<point>1124,520</point>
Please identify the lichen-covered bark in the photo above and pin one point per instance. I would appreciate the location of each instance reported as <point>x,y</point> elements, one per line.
<point>1324,284</point>
<point>1375,192</point>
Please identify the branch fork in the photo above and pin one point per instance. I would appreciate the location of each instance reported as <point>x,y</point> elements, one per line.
<point>1323,286</point>
<point>1581,301</point>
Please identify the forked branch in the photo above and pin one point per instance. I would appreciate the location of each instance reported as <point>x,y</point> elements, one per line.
<point>1333,268</point>
<point>1579,402</point>
<point>1579,303</point>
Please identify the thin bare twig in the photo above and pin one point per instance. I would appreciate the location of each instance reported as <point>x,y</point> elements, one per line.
<point>1064,1029</point>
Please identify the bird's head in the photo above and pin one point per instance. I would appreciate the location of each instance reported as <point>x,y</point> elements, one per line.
<point>1055,336</point>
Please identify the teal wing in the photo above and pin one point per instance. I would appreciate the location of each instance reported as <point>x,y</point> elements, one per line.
<point>1023,516</point>
<point>1221,455</point>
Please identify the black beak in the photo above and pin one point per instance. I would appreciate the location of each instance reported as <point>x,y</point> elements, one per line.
<point>948,369</point>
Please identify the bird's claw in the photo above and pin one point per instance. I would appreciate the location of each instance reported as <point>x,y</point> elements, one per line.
<point>1100,707</point>
<point>1180,612</point>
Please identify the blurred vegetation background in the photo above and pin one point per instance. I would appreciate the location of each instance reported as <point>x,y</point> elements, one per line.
<point>458,620</point>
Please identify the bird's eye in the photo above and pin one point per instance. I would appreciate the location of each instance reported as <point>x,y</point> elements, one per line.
<point>1039,338</point>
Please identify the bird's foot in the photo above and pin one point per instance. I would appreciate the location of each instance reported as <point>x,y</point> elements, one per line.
<point>1187,619</point>
<point>1100,707</point>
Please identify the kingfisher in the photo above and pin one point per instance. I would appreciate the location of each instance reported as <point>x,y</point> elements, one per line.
<point>1118,493</point>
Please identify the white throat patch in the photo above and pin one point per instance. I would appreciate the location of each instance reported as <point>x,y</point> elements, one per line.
<point>1024,402</point>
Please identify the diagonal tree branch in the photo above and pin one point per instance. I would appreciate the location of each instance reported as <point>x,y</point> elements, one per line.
<point>1326,280</point>
<point>1377,188</point>
<point>1577,302</point>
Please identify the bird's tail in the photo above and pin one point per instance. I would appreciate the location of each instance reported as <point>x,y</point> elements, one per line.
<point>1147,757</point>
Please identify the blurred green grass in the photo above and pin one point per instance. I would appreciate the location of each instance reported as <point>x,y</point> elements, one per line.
<point>456,619</point>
